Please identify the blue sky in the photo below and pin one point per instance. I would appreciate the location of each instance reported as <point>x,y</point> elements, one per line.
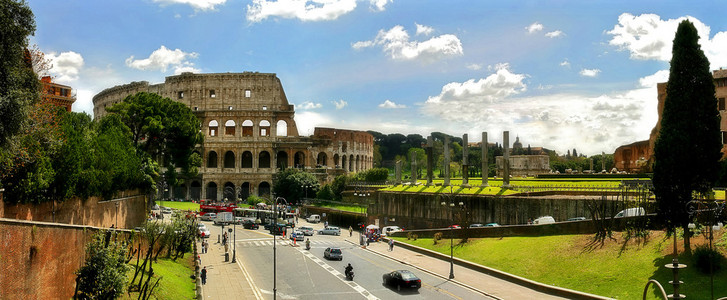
<point>558,74</point>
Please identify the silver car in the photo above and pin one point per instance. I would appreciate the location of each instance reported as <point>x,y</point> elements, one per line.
<point>306,230</point>
<point>333,253</point>
<point>330,230</point>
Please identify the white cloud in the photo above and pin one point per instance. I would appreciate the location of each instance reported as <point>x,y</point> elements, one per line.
<point>534,27</point>
<point>308,105</point>
<point>554,34</point>
<point>304,10</point>
<point>423,29</point>
<point>557,121</point>
<point>307,121</point>
<point>651,80</point>
<point>163,58</point>
<point>391,104</point>
<point>648,37</point>
<point>380,5</point>
<point>340,104</point>
<point>397,44</point>
<point>66,66</point>
<point>197,4</point>
<point>565,63</point>
<point>590,72</point>
<point>474,67</point>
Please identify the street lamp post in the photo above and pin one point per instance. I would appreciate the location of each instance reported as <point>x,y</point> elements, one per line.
<point>234,239</point>
<point>451,206</point>
<point>116,224</point>
<point>275,267</point>
<point>305,190</point>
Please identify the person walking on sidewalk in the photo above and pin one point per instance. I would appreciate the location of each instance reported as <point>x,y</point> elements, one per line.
<point>350,231</point>
<point>203,275</point>
<point>391,244</point>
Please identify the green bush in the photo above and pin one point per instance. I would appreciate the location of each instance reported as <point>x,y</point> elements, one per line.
<point>437,237</point>
<point>254,200</point>
<point>703,257</point>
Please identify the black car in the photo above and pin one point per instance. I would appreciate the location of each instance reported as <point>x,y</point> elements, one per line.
<point>402,279</point>
<point>250,224</point>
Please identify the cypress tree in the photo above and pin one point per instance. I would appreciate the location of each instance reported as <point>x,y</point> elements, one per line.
<point>687,150</point>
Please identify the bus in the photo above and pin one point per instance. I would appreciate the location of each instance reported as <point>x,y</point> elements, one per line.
<point>263,215</point>
<point>215,208</point>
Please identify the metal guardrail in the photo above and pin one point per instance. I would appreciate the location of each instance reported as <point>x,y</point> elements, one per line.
<point>658,285</point>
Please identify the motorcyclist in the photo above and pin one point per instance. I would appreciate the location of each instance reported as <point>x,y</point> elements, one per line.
<point>307,244</point>
<point>349,269</point>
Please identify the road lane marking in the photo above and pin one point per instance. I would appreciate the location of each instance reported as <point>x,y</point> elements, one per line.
<point>355,286</point>
<point>250,282</point>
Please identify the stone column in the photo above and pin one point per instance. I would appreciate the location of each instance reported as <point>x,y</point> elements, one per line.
<point>506,159</point>
<point>591,164</point>
<point>430,160</point>
<point>446,161</point>
<point>413,168</point>
<point>465,163</point>
<point>398,173</point>
<point>603,160</point>
<point>485,163</point>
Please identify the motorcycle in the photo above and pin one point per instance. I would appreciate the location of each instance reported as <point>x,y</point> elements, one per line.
<point>307,245</point>
<point>349,275</point>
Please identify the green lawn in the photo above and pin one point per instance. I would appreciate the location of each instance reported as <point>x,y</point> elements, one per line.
<point>351,208</point>
<point>176,282</point>
<point>571,261</point>
<point>179,205</point>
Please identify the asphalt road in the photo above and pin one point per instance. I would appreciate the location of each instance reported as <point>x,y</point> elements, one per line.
<point>305,274</point>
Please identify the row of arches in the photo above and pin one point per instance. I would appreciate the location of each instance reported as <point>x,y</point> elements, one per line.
<point>213,191</point>
<point>248,128</point>
<point>248,160</point>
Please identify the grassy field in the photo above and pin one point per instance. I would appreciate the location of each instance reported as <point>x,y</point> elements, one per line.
<point>618,268</point>
<point>187,205</point>
<point>351,208</point>
<point>176,282</point>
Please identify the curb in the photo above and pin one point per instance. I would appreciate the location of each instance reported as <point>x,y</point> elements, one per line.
<point>537,286</point>
<point>430,272</point>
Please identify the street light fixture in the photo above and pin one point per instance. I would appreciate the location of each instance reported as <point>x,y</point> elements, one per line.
<point>451,206</point>
<point>305,189</point>
<point>275,267</point>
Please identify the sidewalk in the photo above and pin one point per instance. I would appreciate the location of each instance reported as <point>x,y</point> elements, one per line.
<point>225,280</point>
<point>484,283</point>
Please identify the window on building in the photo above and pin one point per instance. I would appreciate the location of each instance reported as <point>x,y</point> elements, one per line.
<point>196,108</point>
<point>247,128</point>
<point>264,128</point>
<point>247,93</point>
<point>181,95</point>
<point>265,107</point>
<point>229,108</point>
<point>212,93</point>
<point>721,103</point>
<point>213,127</point>
<point>230,127</point>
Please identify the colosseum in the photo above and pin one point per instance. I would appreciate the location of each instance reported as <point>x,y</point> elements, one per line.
<point>250,134</point>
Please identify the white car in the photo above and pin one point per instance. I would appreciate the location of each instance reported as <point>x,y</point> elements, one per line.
<point>204,232</point>
<point>208,216</point>
<point>544,220</point>
<point>390,229</point>
<point>332,230</point>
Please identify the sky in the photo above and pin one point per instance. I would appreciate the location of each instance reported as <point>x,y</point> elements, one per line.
<point>557,74</point>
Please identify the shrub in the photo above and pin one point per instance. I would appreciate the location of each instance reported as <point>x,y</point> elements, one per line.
<point>437,237</point>
<point>703,257</point>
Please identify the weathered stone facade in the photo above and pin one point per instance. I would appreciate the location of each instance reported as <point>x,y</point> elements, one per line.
<point>524,165</point>
<point>250,134</point>
<point>625,161</point>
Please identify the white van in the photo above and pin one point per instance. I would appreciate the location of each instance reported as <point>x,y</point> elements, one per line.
<point>224,218</point>
<point>314,219</point>
<point>390,229</point>
<point>631,212</point>
<point>544,220</point>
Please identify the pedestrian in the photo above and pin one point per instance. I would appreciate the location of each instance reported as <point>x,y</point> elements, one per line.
<point>325,225</point>
<point>206,246</point>
<point>391,244</point>
<point>350,231</point>
<point>204,275</point>
<point>202,247</point>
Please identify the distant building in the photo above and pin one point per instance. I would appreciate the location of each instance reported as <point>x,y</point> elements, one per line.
<point>637,157</point>
<point>56,94</point>
<point>524,165</point>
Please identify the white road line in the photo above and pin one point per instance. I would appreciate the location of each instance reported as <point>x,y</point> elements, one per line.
<point>361,290</point>
<point>253,286</point>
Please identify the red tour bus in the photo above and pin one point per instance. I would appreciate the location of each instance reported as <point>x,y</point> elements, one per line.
<point>214,207</point>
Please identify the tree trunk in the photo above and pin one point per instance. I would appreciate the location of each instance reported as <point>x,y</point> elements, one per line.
<point>687,236</point>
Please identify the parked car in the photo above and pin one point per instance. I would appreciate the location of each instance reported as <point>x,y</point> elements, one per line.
<point>402,279</point>
<point>333,253</point>
<point>577,219</point>
<point>390,229</point>
<point>455,227</point>
<point>307,230</point>
<point>204,232</point>
<point>238,220</point>
<point>166,210</point>
<point>299,236</point>
<point>277,229</point>
<point>208,216</point>
<point>476,225</point>
<point>250,224</point>
<point>492,225</point>
<point>313,219</point>
<point>155,207</point>
<point>332,230</point>
<point>631,212</point>
<point>544,220</point>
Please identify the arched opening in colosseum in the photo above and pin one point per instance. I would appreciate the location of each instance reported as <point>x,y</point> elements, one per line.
<point>281,128</point>
<point>229,160</point>
<point>247,128</point>
<point>322,160</point>
<point>244,191</point>
<point>282,160</point>
<point>358,163</point>
<point>179,192</point>
<point>213,125</point>
<point>343,162</point>
<point>229,191</point>
<point>212,159</point>
<point>335,161</point>
<point>211,191</point>
<point>246,160</point>
<point>299,159</point>
<point>263,189</point>
<point>264,128</point>
<point>264,160</point>
<point>195,190</point>
<point>230,127</point>
<point>351,161</point>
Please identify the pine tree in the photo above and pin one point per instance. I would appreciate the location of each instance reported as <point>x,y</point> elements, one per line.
<point>687,150</point>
